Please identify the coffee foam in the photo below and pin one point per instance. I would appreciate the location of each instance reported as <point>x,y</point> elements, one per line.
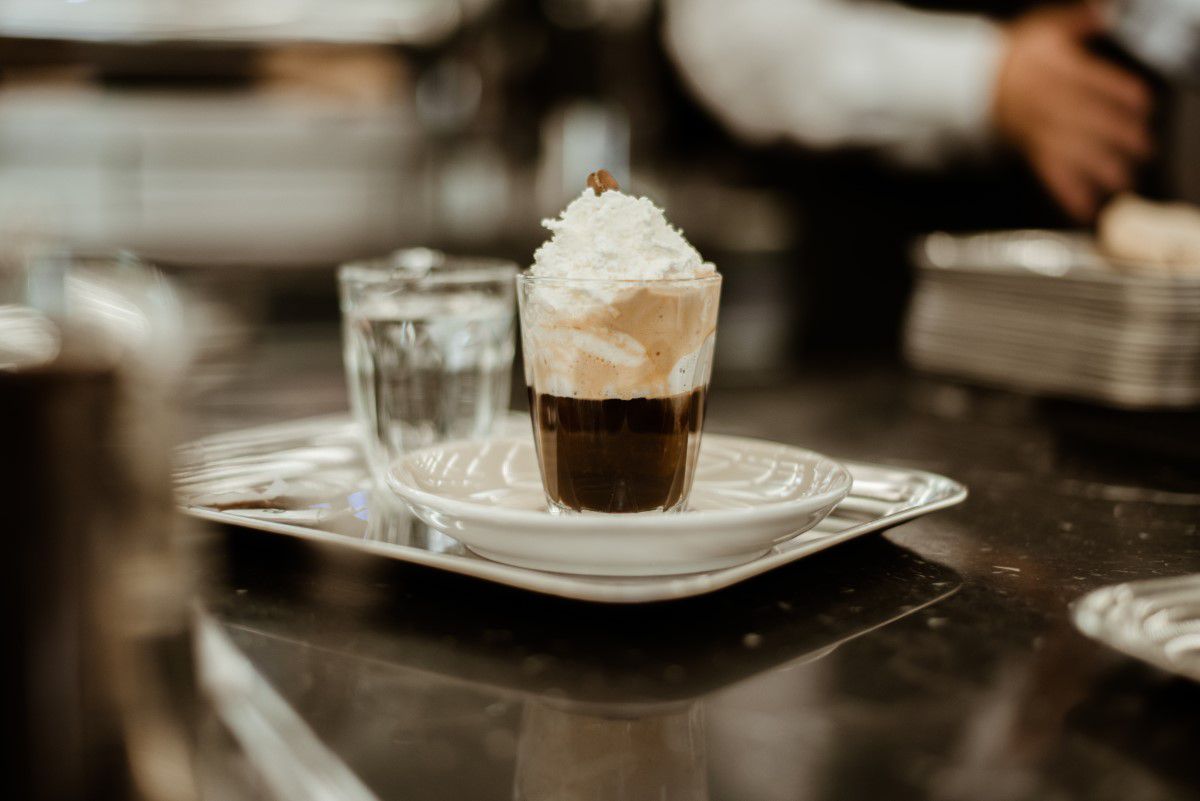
<point>619,341</point>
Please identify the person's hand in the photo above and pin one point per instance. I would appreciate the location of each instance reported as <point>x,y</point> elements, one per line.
<point>1081,121</point>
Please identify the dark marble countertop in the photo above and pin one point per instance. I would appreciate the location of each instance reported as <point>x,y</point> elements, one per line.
<point>936,661</point>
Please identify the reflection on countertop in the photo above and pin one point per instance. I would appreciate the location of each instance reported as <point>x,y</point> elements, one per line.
<point>559,689</point>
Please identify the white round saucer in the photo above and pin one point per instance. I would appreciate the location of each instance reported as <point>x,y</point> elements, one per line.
<point>748,495</point>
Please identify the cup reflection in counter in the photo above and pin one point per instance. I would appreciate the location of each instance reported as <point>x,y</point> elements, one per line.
<point>567,753</point>
<point>617,373</point>
<point>428,348</point>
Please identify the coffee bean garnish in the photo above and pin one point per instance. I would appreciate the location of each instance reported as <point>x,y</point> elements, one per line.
<point>601,181</point>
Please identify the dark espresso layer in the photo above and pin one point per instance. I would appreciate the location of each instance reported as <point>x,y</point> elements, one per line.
<point>616,455</point>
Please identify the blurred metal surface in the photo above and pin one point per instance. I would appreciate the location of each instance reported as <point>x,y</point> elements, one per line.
<point>1157,621</point>
<point>229,176</point>
<point>1046,312</point>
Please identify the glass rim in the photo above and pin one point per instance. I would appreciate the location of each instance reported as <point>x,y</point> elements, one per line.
<point>425,265</point>
<point>527,276</point>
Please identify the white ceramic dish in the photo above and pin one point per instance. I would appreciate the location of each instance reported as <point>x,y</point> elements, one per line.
<point>306,480</point>
<point>749,495</point>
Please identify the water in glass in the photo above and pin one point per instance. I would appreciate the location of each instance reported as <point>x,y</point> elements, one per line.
<point>428,367</point>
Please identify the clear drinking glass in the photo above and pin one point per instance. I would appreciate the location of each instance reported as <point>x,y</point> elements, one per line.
<point>428,348</point>
<point>618,376</point>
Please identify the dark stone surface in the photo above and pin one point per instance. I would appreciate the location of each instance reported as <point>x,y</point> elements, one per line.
<point>936,661</point>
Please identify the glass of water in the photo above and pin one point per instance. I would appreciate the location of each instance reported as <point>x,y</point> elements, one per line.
<point>428,348</point>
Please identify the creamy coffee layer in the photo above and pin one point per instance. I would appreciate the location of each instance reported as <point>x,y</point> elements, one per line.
<point>612,341</point>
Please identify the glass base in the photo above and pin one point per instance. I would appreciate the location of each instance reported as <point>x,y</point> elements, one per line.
<point>556,508</point>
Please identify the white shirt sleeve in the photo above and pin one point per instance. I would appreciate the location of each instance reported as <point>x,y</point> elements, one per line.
<point>832,73</point>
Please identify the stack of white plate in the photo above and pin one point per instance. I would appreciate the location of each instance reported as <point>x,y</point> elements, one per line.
<point>1045,312</point>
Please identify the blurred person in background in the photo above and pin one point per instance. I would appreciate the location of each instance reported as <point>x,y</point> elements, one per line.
<point>911,120</point>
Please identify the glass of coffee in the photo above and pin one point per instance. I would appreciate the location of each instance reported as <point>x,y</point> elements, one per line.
<point>618,373</point>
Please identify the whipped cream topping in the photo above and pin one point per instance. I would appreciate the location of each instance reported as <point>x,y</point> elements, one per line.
<point>629,308</point>
<point>614,235</point>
